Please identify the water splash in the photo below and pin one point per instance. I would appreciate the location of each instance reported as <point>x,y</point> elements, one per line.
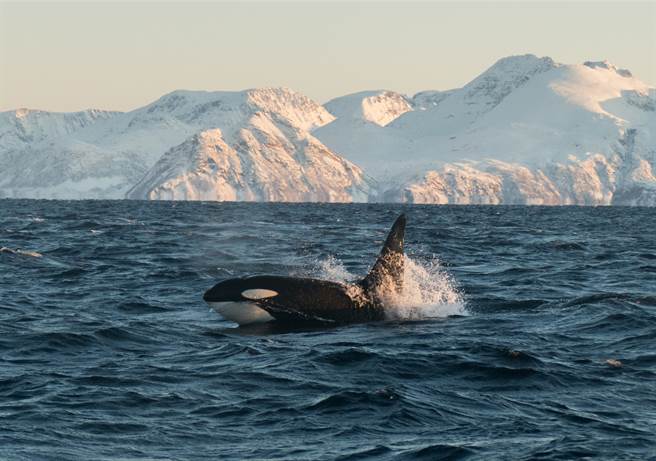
<point>333,269</point>
<point>428,290</point>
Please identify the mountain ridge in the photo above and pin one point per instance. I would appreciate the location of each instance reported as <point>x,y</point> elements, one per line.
<point>526,130</point>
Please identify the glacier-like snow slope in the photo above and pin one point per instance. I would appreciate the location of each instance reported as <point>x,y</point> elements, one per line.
<point>359,132</point>
<point>527,130</point>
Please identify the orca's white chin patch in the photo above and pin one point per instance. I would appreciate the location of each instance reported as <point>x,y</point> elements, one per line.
<point>243,313</point>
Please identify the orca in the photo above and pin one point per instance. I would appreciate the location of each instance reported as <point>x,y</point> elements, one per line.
<point>292,300</point>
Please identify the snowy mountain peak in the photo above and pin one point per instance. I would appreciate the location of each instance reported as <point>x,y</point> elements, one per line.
<point>522,64</point>
<point>378,106</point>
<point>506,75</point>
<point>210,108</point>
<point>297,108</point>
<point>23,126</point>
<point>601,88</point>
<point>25,112</point>
<point>608,66</point>
<point>456,110</point>
<point>493,84</point>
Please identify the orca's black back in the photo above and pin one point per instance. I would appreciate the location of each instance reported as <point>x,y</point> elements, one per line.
<point>313,300</point>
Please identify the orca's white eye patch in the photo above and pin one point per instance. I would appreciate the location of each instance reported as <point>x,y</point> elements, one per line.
<point>258,293</point>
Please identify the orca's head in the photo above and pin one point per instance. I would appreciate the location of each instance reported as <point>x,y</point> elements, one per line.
<point>240,300</point>
<point>241,290</point>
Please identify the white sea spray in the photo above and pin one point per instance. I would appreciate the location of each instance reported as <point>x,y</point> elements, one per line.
<point>429,291</point>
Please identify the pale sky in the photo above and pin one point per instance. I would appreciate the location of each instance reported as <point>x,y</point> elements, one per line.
<point>120,55</point>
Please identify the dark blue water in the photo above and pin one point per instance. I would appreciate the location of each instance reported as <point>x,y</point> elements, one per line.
<point>108,352</point>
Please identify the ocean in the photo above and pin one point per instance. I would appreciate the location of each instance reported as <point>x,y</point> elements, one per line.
<point>524,333</point>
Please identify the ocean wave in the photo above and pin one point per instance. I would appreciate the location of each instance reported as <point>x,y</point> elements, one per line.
<point>108,350</point>
<point>366,400</point>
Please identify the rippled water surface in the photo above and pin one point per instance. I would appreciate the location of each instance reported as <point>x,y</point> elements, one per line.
<point>108,352</point>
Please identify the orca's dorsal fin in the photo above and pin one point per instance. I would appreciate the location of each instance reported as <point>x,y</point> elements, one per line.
<point>387,272</point>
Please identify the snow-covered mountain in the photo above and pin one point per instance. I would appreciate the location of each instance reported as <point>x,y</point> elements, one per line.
<point>106,158</point>
<point>358,130</point>
<point>377,107</point>
<point>263,161</point>
<point>23,127</point>
<point>527,130</point>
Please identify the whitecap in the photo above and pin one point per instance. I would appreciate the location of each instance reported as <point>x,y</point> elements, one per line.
<point>18,251</point>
